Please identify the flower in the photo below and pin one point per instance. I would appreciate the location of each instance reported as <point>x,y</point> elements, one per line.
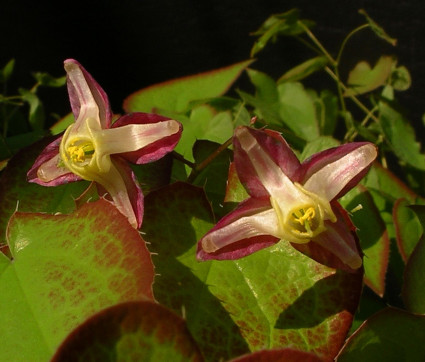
<point>96,150</point>
<point>290,200</point>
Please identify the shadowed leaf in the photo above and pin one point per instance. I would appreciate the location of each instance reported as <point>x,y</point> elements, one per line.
<point>274,298</point>
<point>133,331</point>
<point>389,335</point>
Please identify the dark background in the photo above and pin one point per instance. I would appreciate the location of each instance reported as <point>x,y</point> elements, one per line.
<point>127,45</point>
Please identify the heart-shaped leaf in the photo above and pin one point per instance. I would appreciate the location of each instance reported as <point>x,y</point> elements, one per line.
<point>274,298</point>
<point>132,331</point>
<point>64,269</point>
<point>363,78</point>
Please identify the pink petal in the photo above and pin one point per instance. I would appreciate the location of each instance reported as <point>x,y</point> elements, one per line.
<point>279,151</point>
<point>333,172</point>
<point>248,242</point>
<point>132,193</point>
<point>76,97</point>
<point>155,150</point>
<point>60,176</point>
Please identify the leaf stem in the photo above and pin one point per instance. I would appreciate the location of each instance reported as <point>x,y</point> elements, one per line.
<point>198,168</point>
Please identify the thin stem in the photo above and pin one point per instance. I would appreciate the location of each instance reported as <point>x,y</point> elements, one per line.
<point>208,160</point>
<point>352,97</point>
<point>318,43</point>
<point>179,157</point>
<point>349,35</point>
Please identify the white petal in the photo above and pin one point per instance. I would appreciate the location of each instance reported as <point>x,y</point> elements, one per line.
<point>263,223</point>
<point>133,137</point>
<point>278,185</point>
<point>331,179</point>
<point>88,105</point>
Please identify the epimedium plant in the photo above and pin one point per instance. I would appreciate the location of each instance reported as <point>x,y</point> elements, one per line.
<point>262,225</point>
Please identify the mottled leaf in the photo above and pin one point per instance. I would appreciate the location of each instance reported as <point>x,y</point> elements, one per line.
<point>64,269</point>
<point>132,331</point>
<point>279,355</point>
<point>274,298</point>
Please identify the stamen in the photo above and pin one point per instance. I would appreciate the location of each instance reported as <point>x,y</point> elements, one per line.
<point>79,151</point>
<point>304,216</point>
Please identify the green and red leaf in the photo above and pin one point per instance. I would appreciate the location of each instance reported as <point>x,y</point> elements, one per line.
<point>64,268</point>
<point>132,331</point>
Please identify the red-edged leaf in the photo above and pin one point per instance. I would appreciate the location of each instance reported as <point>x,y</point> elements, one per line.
<point>64,269</point>
<point>133,331</point>
<point>274,298</point>
<point>372,234</point>
<point>414,280</point>
<point>175,95</point>
<point>408,228</point>
<point>279,355</point>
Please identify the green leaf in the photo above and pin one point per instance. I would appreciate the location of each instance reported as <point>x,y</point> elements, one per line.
<point>204,124</point>
<point>387,184</point>
<point>401,136</point>
<point>176,95</point>
<point>319,144</point>
<point>363,78</point>
<point>47,80</point>
<point>304,69</point>
<point>281,355</point>
<point>235,192</point>
<point>17,193</point>
<point>36,112</point>
<point>62,124</point>
<point>13,144</point>
<point>400,78</point>
<point>372,234</point>
<point>213,177</point>
<point>64,269</point>
<point>7,71</point>
<point>327,111</point>
<point>389,335</point>
<point>287,23</point>
<point>297,110</point>
<point>414,281</point>
<point>133,331</point>
<point>407,226</point>
<point>378,30</point>
<point>274,298</point>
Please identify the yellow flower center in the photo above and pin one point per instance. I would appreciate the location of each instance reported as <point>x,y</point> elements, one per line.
<point>79,151</point>
<point>301,222</point>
